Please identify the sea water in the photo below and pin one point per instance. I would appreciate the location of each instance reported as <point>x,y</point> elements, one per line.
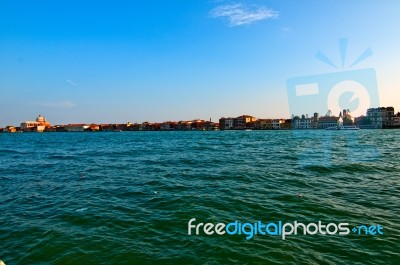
<point>127,197</point>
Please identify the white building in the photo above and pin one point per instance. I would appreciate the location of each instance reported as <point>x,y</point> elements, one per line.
<point>226,123</point>
<point>301,123</point>
<point>276,123</point>
<point>39,125</point>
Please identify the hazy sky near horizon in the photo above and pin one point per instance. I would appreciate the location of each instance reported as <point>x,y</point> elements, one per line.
<point>119,61</point>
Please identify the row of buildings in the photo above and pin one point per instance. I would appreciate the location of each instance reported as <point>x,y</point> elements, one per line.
<point>375,118</point>
<point>296,122</point>
<point>42,125</point>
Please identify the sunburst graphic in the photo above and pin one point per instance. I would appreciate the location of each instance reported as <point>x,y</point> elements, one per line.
<point>343,52</point>
<point>347,94</point>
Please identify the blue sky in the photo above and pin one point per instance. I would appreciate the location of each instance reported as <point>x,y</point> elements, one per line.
<point>120,61</point>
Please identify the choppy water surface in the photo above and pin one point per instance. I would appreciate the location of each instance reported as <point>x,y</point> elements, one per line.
<point>126,198</point>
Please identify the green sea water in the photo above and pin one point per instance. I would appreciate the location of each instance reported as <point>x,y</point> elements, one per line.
<point>127,197</point>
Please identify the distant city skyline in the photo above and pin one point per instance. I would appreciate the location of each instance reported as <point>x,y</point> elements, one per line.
<point>329,113</point>
<point>376,118</point>
<point>160,60</point>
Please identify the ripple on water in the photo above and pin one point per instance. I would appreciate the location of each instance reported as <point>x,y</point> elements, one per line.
<point>126,198</point>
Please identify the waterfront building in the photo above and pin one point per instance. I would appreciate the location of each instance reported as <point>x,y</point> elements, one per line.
<point>211,126</point>
<point>226,123</point>
<point>287,125</point>
<point>106,127</point>
<point>149,126</point>
<point>363,122</point>
<point>129,126</point>
<point>251,125</point>
<point>136,127</point>
<point>301,123</point>
<point>168,125</point>
<point>381,117</point>
<point>396,120</point>
<point>198,124</point>
<point>263,124</point>
<point>202,125</point>
<point>94,127</point>
<point>76,127</point>
<point>39,125</point>
<point>276,123</point>
<point>184,125</point>
<point>56,128</point>
<point>329,121</point>
<point>314,121</point>
<point>240,123</point>
<point>388,117</point>
<point>120,127</point>
<point>375,117</point>
<point>10,129</point>
<point>359,120</point>
<point>112,127</point>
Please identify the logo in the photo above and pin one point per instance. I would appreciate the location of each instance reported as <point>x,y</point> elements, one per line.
<point>324,97</point>
<point>281,229</point>
<point>355,90</point>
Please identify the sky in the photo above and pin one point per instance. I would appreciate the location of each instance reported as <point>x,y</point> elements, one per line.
<point>135,61</point>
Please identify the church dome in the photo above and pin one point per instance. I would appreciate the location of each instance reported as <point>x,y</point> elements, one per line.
<point>40,118</point>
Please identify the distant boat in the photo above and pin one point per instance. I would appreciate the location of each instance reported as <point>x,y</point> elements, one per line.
<point>116,130</point>
<point>248,130</point>
<point>344,127</point>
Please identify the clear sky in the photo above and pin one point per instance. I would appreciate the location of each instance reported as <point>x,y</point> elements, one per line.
<point>119,61</point>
